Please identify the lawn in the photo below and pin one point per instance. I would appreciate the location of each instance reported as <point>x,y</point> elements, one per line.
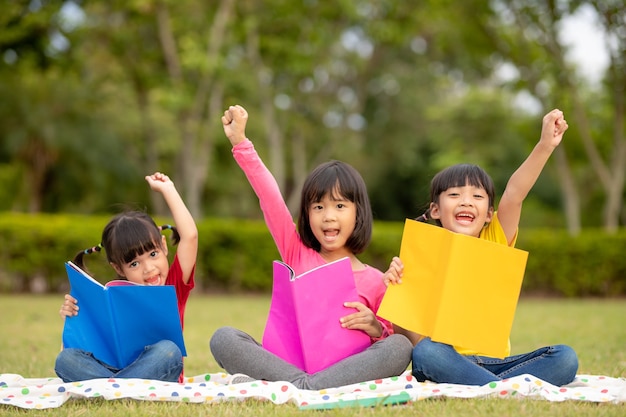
<point>31,338</point>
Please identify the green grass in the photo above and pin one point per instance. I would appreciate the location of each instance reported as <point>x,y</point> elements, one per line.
<point>30,338</point>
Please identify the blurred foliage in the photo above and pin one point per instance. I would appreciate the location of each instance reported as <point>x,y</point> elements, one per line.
<point>589,265</point>
<point>236,255</point>
<point>96,94</point>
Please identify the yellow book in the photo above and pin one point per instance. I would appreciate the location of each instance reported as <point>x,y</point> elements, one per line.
<point>456,289</point>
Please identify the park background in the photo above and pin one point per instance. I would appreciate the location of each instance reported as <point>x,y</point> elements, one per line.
<point>96,94</point>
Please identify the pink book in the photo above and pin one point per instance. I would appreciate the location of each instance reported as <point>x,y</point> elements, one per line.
<point>303,325</point>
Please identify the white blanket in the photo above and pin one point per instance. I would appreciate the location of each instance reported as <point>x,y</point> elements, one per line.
<point>40,393</point>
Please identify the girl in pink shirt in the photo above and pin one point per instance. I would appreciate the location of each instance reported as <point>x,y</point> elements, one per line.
<point>335,221</point>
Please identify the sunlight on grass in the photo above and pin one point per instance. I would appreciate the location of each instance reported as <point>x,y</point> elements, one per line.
<point>31,338</point>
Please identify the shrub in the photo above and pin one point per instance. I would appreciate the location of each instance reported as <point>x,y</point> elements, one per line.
<point>236,255</point>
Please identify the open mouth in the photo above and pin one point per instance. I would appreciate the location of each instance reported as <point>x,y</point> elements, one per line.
<point>464,218</point>
<point>153,280</point>
<point>331,234</point>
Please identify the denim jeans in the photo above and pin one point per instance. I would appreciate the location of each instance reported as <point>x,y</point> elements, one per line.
<point>438,362</point>
<point>162,361</point>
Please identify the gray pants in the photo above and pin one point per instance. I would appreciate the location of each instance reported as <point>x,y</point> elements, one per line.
<point>238,352</point>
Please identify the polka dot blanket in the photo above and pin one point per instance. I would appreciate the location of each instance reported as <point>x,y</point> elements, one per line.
<point>41,393</point>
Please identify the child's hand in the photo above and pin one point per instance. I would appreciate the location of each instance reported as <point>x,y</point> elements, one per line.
<point>69,308</point>
<point>394,273</point>
<point>364,319</point>
<point>234,121</point>
<point>553,128</point>
<point>158,181</point>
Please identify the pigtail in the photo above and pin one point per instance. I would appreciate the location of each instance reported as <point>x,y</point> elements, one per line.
<point>424,217</point>
<point>175,235</point>
<point>78,259</point>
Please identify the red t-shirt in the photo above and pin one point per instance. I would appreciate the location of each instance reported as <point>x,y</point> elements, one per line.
<point>175,278</point>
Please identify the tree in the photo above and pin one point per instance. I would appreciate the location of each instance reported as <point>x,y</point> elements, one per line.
<point>395,88</point>
<point>170,57</point>
<point>52,118</point>
<point>528,39</point>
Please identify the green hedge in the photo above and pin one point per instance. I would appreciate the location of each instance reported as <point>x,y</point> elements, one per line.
<point>236,255</point>
<point>591,264</point>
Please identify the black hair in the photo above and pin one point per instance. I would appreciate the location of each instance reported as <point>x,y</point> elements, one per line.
<point>127,235</point>
<point>458,176</point>
<point>338,180</point>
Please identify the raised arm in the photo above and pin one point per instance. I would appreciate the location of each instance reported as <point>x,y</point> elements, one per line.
<point>277,217</point>
<point>522,180</point>
<point>234,123</point>
<point>185,225</point>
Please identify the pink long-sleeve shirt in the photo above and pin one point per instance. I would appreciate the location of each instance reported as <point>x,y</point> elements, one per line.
<point>369,283</point>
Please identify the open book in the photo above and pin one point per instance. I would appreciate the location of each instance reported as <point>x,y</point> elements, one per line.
<point>303,325</point>
<point>117,320</point>
<point>457,289</point>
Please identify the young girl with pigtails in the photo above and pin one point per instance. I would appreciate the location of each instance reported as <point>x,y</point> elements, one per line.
<point>137,252</point>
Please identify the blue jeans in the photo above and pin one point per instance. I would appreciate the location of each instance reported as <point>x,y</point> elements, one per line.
<point>162,361</point>
<point>438,362</point>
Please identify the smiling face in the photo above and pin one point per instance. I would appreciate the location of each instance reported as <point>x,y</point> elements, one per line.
<point>332,221</point>
<point>149,268</point>
<point>465,209</point>
<point>334,196</point>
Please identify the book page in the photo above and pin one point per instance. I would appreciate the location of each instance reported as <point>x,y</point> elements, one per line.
<point>119,283</point>
<point>80,331</point>
<point>457,289</point>
<point>303,325</point>
<point>480,296</point>
<point>320,294</point>
<point>116,323</point>
<point>281,335</point>
<point>143,315</point>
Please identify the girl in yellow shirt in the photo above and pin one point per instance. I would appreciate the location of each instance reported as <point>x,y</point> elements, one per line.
<point>462,200</point>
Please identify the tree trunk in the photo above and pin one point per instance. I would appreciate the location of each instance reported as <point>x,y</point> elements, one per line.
<point>569,193</point>
<point>196,147</point>
<point>275,139</point>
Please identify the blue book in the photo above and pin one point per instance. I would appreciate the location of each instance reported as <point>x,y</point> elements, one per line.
<point>117,320</point>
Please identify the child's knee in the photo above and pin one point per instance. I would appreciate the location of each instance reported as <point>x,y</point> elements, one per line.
<point>569,359</point>
<point>62,358</point>
<point>167,348</point>
<point>424,350</point>
<point>69,357</point>
<point>402,345</point>
<point>222,339</point>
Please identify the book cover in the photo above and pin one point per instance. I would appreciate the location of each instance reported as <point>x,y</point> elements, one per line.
<point>457,289</point>
<point>117,320</point>
<point>303,325</point>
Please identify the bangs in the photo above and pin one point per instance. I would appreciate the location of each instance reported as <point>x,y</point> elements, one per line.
<point>337,185</point>
<point>133,237</point>
<point>464,176</point>
<point>459,176</point>
<point>136,247</point>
